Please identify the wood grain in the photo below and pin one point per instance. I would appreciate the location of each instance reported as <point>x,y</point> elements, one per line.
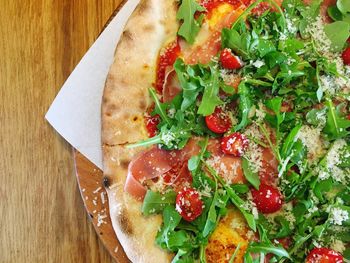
<point>41,212</point>
<point>90,180</point>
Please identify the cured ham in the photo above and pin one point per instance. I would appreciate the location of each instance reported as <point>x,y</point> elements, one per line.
<point>149,164</point>
<point>171,85</point>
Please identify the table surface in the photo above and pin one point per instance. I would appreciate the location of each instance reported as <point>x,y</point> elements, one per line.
<point>41,211</point>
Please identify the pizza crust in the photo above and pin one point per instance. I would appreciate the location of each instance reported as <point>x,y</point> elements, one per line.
<point>125,100</point>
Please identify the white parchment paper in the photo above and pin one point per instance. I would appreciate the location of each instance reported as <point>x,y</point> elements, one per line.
<point>76,111</point>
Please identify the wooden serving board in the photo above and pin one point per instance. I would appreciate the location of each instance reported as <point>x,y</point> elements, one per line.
<point>90,180</point>
<point>94,195</point>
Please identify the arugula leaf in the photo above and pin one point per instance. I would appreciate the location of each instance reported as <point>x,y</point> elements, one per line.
<point>336,124</point>
<point>275,105</point>
<point>193,163</point>
<point>190,26</point>
<point>343,6</point>
<point>230,38</point>
<point>265,46</point>
<point>171,218</point>
<point>236,200</point>
<point>245,105</point>
<point>190,86</point>
<point>335,13</point>
<point>212,216</point>
<point>338,32</point>
<point>251,177</point>
<point>284,227</point>
<point>210,98</point>
<point>315,116</point>
<point>264,247</point>
<point>309,14</point>
<point>154,202</point>
<point>159,107</point>
<point>289,142</point>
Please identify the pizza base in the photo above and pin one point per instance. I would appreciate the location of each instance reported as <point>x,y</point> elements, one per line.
<point>125,100</point>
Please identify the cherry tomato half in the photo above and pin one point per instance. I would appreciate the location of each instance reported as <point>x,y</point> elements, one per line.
<point>324,255</point>
<point>346,56</point>
<point>151,124</point>
<point>229,60</point>
<point>235,144</point>
<point>219,121</point>
<point>188,204</point>
<point>267,199</point>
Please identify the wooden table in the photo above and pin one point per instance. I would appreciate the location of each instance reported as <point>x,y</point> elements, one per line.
<point>42,218</point>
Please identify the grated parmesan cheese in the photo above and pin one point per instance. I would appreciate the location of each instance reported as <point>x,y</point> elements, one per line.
<point>338,216</point>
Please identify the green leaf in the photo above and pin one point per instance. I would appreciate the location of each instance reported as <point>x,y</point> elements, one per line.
<point>343,6</point>
<point>334,13</point>
<point>233,40</point>
<point>191,87</point>
<point>190,26</point>
<point>345,157</point>
<point>289,142</point>
<point>265,248</point>
<point>193,163</point>
<point>210,98</point>
<point>159,107</point>
<point>322,187</point>
<point>155,202</point>
<point>235,199</point>
<point>283,227</point>
<point>212,217</point>
<point>336,124</point>
<point>315,116</point>
<point>338,32</point>
<point>265,46</point>
<point>275,58</point>
<point>171,218</point>
<point>252,178</point>
<point>309,14</point>
<point>245,105</point>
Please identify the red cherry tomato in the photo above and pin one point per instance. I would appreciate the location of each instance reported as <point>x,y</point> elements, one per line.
<point>324,255</point>
<point>151,124</point>
<point>166,58</point>
<point>267,199</point>
<point>349,117</point>
<point>219,121</point>
<point>188,204</point>
<point>234,144</point>
<point>211,4</point>
<point>229,60</point>
<point>346,56</point>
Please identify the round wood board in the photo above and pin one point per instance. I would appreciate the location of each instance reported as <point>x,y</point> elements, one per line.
<point>90,180</point>
<point>94,195</point>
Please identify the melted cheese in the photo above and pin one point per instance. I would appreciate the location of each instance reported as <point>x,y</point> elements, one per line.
<point>230,232</point>
<point>218,13</point>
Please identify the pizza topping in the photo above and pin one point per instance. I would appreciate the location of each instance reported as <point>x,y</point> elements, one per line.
<point>286,60</point>
<point>188,204</point>
<point>234,144</point>
<point>229,60</point>
<point>151,124</point>
<point>150,164</point>
<point>219,121</point>
<point>324,255</point>
<point>211,4</point>
<point>166,59</point>
<point>267,199</point>
<point>171,86</point>
<point>346,56</point>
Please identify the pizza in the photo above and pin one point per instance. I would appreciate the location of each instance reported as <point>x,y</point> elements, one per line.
<point>226,131</point>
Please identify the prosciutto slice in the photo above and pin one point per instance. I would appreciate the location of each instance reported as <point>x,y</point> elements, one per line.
<point>171,85</point>
<point>149,164</point>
